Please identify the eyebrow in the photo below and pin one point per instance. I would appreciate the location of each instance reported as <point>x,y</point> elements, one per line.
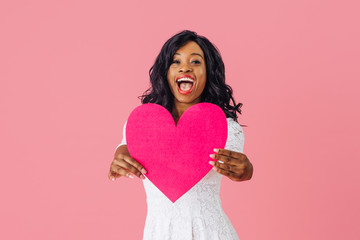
<point>191,54</point>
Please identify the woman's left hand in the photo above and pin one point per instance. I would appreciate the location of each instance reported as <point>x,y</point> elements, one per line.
<point>234,165</point>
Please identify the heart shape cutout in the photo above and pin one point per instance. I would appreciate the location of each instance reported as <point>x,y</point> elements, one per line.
<point>175,156</point>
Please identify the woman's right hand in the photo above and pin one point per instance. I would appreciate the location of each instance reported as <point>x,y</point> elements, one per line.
<point>124,165</point>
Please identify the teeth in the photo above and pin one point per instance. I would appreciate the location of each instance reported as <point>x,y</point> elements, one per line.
<point>184,80</point>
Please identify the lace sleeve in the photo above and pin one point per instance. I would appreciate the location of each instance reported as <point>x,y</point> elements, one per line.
<point>235,136</point>
<point>123,142</point>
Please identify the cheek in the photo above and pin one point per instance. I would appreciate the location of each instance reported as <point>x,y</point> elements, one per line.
<point>203,78</point>
<point>170,76</point>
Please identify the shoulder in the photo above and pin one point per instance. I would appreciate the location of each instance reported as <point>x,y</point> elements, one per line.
<point>235,139</point>
<point>233,126</point>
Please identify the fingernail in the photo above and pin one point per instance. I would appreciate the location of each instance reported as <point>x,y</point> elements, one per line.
<point>113,179</point>
<point>215,168</point>
<point>142,177</point>
<point>212,155</point>
<point>220,161</point>
<point>212,163</point>
<point>143,171</point>
<point>216,150</point>
<point>131,176</point>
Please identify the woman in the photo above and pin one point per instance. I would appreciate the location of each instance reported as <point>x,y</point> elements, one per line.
<point>189,70</point>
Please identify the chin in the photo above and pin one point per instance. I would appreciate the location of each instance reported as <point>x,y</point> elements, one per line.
<point>187,100</point>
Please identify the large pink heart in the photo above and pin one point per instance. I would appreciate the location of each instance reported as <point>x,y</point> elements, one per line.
<point>175,156</point>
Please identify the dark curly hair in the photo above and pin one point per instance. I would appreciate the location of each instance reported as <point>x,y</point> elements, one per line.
<point>216,91</point>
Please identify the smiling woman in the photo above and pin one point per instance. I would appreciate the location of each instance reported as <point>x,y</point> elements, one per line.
<point>187,77</point>
<point>187,71</point>
<point>216,90</point>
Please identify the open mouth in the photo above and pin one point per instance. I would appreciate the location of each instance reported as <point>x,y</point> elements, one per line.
<point>185,85</point>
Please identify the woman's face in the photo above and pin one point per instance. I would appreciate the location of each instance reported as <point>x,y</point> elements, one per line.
<point>187,74</point>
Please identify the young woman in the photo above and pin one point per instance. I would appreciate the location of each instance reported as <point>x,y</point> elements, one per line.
<point>189,70</point>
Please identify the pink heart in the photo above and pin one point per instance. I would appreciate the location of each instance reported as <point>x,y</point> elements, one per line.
<point>175,156</point>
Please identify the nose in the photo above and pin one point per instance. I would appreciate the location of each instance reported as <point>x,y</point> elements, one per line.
<point>185,68</point>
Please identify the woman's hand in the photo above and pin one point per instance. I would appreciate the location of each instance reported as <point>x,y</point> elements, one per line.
<point>124,165</point>
<point>234,165</point>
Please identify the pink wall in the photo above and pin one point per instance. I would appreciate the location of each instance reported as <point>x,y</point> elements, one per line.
<point>71,72</point>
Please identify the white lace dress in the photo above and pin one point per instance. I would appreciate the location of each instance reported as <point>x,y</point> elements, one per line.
<point>197,214</point>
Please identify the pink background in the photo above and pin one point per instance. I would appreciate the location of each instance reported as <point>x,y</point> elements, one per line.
<point>71,72</point>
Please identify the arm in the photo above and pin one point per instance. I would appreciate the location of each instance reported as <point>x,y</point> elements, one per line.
<point>123,164</point>
<point>233,163</point>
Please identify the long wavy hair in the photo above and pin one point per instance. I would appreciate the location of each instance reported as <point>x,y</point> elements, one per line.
<point>216,91</point>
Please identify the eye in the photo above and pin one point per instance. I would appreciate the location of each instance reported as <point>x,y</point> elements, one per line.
<point>175,61</point>
<point>196,61</point>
